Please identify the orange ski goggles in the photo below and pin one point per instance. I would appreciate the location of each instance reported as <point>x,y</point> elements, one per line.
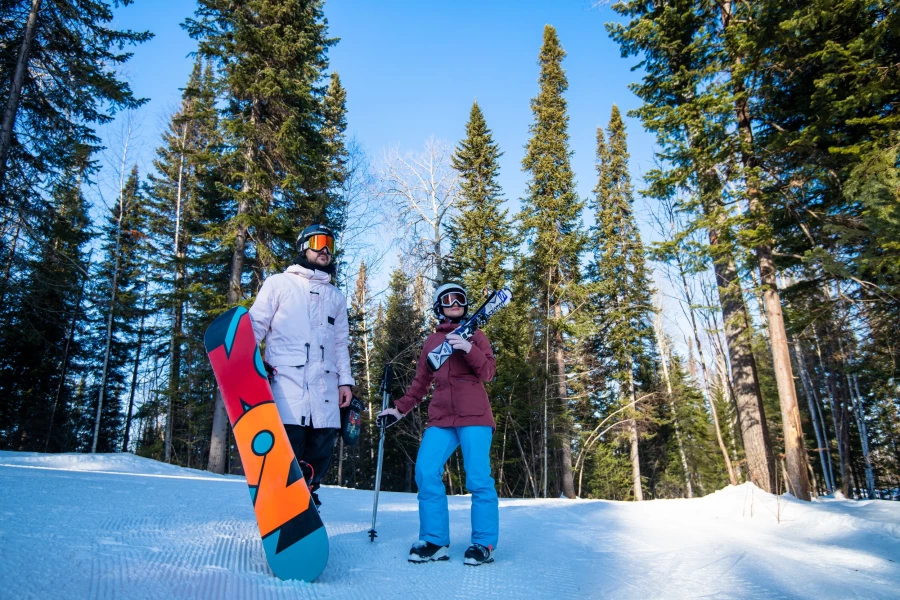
<point>320,242</point>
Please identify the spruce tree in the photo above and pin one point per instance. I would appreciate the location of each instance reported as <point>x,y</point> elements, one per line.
<point>334,130</point>
<point>551,222</point>
<point>43,325</point>
<point>399,344</point>
<point>336,165</point>
<point>482,253</point>
<point>117,294</point>
<point>619,280</point>
<point>689,108</point>
<point>480,233</point>
<point>270,57</point>
<point>56,86</point>
<point>183,193</point>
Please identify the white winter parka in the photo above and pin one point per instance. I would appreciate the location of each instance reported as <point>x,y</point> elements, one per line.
<point>303,319</point>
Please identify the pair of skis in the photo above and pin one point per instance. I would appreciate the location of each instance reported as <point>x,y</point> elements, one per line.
<point>437,357</point>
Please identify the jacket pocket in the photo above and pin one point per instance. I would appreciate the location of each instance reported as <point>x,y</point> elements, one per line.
<point>439,407</point>
<point>470,397</point>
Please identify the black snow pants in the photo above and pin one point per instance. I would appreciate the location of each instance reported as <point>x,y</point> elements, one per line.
<point>314,447</point>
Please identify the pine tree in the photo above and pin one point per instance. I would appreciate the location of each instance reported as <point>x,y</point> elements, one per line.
<point>185,202</point>
<point>689,108</point>
<point>399,343</point>
<point>482,252</point>
<point>334,130</point>
<point>42,326</point>
<point>480,233</point>
<point>619,278</point>
<point>336,165</point>
<point>117,293</point>
<point>56,87</point>
<point>551,223</point>
<point>270,58</point>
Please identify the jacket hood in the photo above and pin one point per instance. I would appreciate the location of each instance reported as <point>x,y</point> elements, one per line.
<point>312,275</point>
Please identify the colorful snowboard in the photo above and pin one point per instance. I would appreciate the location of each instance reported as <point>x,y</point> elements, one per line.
<point>293,535</point>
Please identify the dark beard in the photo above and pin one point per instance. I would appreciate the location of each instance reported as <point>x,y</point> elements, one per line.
<point>304,262</point>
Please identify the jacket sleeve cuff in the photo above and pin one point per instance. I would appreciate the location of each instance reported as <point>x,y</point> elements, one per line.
<point>404,405</point>
<point>346,381</point>
<point>475,357</point>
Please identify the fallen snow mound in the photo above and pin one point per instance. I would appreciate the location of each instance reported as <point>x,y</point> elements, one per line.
<point>115,525</point>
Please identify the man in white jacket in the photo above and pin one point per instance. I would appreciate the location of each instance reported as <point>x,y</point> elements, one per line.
<point>303,320</point>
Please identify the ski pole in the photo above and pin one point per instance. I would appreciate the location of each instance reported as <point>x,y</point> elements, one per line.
<point>386,380</point>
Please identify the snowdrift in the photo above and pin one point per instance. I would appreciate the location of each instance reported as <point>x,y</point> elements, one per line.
<point>119,526</point>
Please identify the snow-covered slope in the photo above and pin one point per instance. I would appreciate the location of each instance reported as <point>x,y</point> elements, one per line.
<point>118,526</point>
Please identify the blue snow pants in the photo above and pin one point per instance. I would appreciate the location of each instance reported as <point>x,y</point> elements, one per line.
<point>434,516</point>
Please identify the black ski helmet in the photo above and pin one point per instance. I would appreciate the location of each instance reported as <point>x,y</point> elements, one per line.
<point>446,289</point>
<point>314,229</point>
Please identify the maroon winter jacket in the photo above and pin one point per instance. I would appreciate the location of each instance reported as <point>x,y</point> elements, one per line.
<point>459,396</point>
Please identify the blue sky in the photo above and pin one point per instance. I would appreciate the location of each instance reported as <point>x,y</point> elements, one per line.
<point>413,68</point>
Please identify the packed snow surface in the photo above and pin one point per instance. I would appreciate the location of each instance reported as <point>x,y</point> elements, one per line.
<point>118,526</point>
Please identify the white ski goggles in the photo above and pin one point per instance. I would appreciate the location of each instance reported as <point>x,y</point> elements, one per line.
<point>450,298</point>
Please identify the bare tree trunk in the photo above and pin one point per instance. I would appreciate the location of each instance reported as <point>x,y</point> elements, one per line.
<point>663,357</point>
<point>177,307</point>
<point>562,389</point>
<point>218,447</point>
<point>113,297</point>
<point>839,418</point>
<point>794,447</point>
<point>745,382</point>
<point>528,471</point>
<point>635,454</point>
<point>15,91</point>
<point>503,456</point>
<point>545,439</point>
<point>134,371</point>
<point>855,402</point>
<point>864,437</point>
<point>340,472</point>
<point>715,413</point>
<point>819,427</point>
<point>65,361</point>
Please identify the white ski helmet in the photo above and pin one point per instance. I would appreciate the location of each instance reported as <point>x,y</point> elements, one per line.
<point>449,288</point>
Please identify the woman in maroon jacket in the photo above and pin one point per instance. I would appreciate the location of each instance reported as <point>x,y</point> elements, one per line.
<point>459,415</point>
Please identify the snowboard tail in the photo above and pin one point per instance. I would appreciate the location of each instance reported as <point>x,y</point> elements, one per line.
<point>293,535</point>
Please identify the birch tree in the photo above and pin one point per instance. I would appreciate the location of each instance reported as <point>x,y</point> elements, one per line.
<point>420,190</point>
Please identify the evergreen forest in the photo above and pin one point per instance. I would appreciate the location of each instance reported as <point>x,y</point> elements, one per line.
<point>752,337</point>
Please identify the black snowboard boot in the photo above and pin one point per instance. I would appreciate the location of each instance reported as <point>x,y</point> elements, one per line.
<point>423,551</point>
<point>479,555</point>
